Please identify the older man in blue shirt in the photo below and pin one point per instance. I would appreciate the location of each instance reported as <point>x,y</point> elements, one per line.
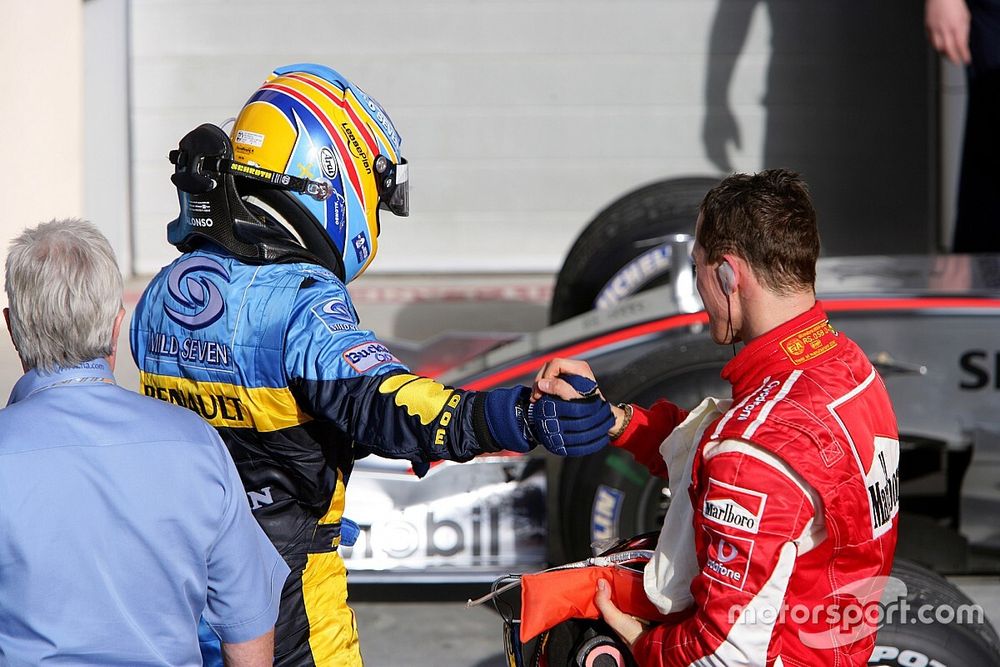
<point>122,518</point>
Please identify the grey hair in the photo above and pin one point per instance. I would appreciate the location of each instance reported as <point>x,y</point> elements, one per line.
<point>64,291</point>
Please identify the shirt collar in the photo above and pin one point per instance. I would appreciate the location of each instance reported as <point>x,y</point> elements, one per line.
<point>95,371</point>
<point>796,344</point>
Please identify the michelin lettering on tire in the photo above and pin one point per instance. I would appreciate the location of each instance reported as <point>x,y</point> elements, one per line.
<point>605,513</point>
<point>631,277</point>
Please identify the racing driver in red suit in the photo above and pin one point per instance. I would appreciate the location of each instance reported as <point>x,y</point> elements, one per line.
<point>782,526</point>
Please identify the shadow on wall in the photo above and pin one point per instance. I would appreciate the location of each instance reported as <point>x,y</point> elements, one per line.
<point>850,104</point>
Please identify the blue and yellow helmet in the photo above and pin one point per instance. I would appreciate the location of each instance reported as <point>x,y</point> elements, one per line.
<point>309,150</point>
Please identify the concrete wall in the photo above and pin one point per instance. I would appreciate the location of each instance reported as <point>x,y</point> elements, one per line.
<point>41,113</point>
<point>106,123</point>
<point>519,118</point>
<point>65,117</point>
<point>522,118</point>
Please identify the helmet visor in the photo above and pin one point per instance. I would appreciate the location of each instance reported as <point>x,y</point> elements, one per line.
<point>393,186</point>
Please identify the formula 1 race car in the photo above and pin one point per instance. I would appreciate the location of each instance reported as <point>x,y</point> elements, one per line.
<point>625,302</point>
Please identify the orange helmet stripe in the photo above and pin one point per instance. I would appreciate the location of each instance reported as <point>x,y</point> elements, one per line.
<point>352,171</point>
<point>340,100</point>
<point>355,105</point>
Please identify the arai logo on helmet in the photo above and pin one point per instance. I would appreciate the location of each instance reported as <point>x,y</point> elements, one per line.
<point>328,162</point>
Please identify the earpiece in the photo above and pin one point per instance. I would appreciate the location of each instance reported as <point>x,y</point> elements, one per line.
<point>727,278</point>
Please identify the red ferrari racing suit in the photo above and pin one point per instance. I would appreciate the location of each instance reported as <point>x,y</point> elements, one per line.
<point>793,507</point>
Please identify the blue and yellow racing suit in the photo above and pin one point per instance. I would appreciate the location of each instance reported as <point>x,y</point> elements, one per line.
<point>272,356</point>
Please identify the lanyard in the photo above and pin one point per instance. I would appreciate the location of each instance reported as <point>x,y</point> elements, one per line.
<point>88,373</point>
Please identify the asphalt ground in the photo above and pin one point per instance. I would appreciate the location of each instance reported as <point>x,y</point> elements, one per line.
<point>429,625</point>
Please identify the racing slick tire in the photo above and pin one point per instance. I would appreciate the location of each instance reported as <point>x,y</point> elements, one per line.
<point>957,636</point>
<point>605,259</point>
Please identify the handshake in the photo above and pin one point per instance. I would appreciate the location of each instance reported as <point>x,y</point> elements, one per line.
<point>574,426</point>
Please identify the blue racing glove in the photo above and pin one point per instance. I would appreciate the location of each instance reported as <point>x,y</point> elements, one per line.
<point>572,428</point>
<point>505,411</point>
<point>567,428</point>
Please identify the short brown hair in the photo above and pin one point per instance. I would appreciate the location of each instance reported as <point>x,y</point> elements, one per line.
<point>767,219</point>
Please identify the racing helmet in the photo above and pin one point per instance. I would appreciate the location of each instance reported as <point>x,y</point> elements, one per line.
<point>310,151</point>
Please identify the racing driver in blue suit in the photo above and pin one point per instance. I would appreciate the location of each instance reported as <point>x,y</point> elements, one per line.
<point>252,327</point>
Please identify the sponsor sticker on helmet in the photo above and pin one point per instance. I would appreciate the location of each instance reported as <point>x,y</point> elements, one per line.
<point>367,356</point>
<point>337,209</point>
<point>733,506</point>
<point>380,117</point>
<point>250,138</point>
<point>357,150</point>
<point>728,558</point>
<point>328,162</point>
<point>361,249</point>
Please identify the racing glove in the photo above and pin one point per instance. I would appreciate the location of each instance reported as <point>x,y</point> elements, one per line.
<point>567,428</point>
